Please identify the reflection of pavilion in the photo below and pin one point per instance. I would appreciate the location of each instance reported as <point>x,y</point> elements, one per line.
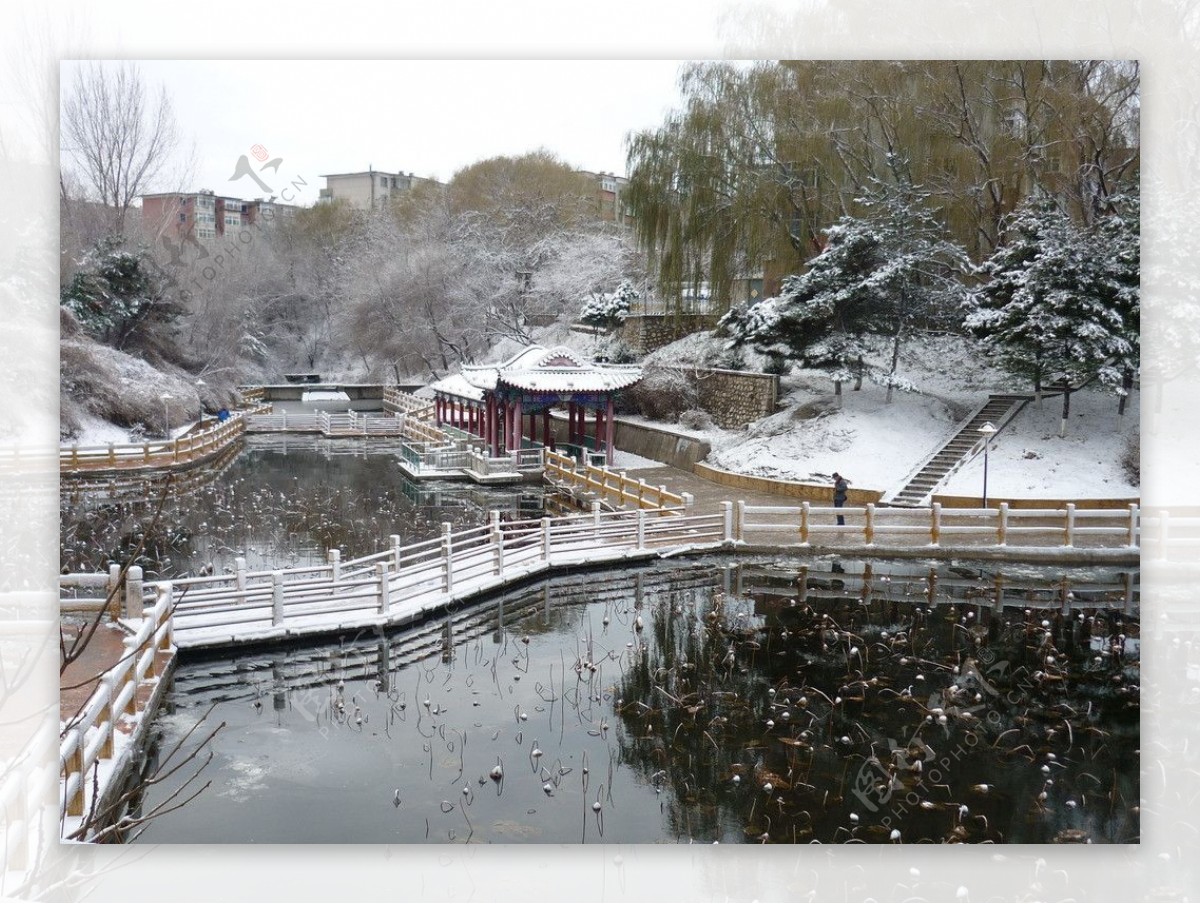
<point>501,402</point>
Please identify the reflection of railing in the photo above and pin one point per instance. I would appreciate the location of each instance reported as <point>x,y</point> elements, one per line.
<point>159,454</point>
<point>92,737</point>
<point>613,485</point>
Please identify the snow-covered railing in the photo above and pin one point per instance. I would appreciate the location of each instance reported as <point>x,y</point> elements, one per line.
<point>402,582</point>
<point>612,485</point>
<point>122,594</point>
<point>345,423</point>
<point>90,738</point>
<point>155,454</point>
<point>420,431</point>
<point>408,403</point>
<point>869,525</point>
<point>252,395</point>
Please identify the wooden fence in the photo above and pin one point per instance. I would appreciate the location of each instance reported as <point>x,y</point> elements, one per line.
<point>91,736</point>
<point>182,450</point>
<point>615,486</point>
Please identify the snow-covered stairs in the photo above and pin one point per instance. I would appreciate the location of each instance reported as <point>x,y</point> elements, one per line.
<point>947,458</point>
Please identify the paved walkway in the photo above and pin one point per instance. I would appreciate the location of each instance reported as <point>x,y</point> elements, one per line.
<point>708,496</point>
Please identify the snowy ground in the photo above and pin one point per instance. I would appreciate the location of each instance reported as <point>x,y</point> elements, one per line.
<point>877,444</point>
<point>1028,458</point>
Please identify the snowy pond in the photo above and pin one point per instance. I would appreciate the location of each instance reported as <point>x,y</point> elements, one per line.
<point>717,700</point>
<point>279,501</point>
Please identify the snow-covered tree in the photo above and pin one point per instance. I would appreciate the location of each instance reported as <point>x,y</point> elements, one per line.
<point>881,274</point>
<point>607,309</point>
<point>121,297</point>
<point>1060,303</point>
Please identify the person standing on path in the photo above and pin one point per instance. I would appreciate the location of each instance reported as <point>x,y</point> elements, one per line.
<point>840,488</point>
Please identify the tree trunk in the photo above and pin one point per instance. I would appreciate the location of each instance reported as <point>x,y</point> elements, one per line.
<point>895,362</point>
<point>837,391</point>
<point>858,374</point>
<point>1126,384</point>
<point>1066,412</point>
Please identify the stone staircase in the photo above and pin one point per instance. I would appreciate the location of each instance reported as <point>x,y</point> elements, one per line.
<point>946,459</point>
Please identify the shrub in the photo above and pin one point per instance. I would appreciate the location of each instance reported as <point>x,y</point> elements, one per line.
<point>1131,458</point>
<point>663,394</point>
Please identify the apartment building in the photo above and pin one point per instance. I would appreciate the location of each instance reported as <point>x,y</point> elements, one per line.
<point>204,215</point>
<point>609,206</point>
<point>367,190</point>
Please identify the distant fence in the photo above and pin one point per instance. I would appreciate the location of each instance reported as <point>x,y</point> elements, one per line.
<point>347,423</point>
<point>182,450</point>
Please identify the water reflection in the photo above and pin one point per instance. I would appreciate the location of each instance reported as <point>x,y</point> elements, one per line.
<point>754,702</point>
<point>282,501</point>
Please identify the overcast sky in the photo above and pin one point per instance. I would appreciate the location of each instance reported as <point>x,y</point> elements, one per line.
<point>428,117</point>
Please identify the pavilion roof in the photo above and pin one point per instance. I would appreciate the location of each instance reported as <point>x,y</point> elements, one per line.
<point>456,385</point>
<point>560,370</point>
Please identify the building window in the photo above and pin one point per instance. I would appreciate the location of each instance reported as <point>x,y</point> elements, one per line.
<point>183,218</point>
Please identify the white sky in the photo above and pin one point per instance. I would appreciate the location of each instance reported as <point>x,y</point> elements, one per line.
<point>428,117</point>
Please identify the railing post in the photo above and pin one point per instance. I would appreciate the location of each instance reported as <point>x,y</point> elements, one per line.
<point>75,764</point>
<point>276,598</point>
<point>166,599</point>
<point>596,520</point>
<point>497,541</point>
<point>1133,524</point>
<point>935,523</point>
<point>804,507</point>
<point>641,491</point>
<point>662,495</point>
<point>739,525</point>
<point>1002,525</point>
<point>1069,529</point>
<point>134,602</point>
<point>335,564</point>
<point>146,453</point>
<point>395,538</point>
<point>448,556</point>
<point>688,501</point>
<point>641,529</point>
<point>116,603</point>
<point>546,539</point>
<point>74,456</point>
<point>112,454</point>
<point>106,715</point>
<point>727,512</point>
<point>869,524</point>
<point>239,565</point>
<point>385,588</point>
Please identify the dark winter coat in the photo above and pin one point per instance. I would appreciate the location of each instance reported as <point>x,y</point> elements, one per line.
<point>840,488</point>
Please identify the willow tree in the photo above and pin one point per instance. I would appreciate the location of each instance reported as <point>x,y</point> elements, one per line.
<point>760,160</point>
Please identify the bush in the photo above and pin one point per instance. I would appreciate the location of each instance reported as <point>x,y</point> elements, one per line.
<point>1131,458</point>
<point>664,394</point>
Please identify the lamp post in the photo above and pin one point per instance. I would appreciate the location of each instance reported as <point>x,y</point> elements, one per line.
<point>987,430</point>
<point>166,397</point>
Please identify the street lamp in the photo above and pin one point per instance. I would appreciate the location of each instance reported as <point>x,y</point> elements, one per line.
<point>987,430</point>
<point>166,397</point>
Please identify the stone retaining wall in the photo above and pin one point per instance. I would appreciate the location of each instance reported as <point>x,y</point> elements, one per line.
<point>819,493</point>
<point>677,450</point>
<point>977,502</point>
<point>646,332</point>
<point>735,398</point>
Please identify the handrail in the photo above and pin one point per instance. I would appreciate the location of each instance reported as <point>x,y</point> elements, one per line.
<point>367,590</point>
<point>605,483</point>
<point>91,736</point>
<point>154,454</point>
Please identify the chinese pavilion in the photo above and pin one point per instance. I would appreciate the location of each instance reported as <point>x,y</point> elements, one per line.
<point>502,403</point>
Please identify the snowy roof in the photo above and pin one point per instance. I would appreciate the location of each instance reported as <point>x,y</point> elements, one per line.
<point>559,369</point>
<point>455,385</point>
